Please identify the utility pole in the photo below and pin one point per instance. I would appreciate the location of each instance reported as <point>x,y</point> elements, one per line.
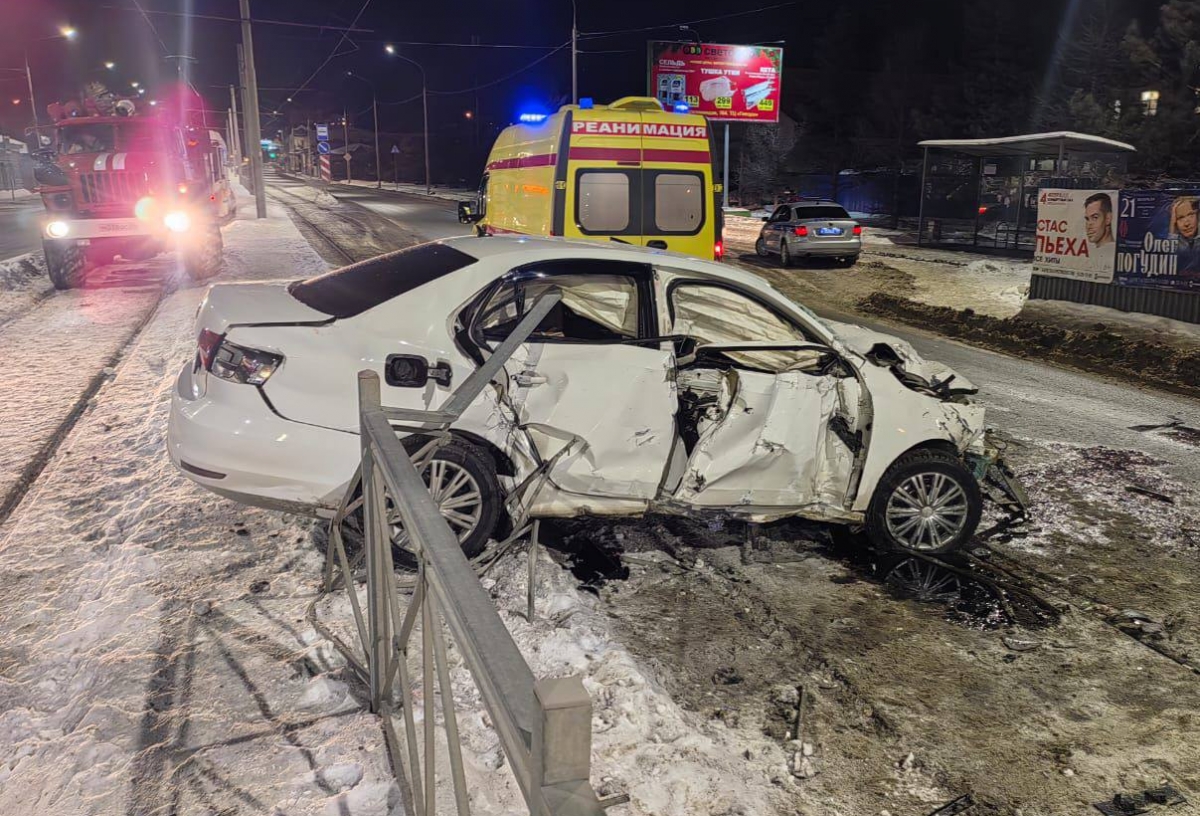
<point>233,128</point>
<point>425,119</point>
<point>37,134</point>
<point>346,138</point>
<point>378,164</point>
<point>253,123</point>
<point>574,57</point>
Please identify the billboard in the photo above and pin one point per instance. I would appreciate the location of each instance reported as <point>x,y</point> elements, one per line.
<point>736,83</point>
<point>1076,235</point>
<point>1158,239</point>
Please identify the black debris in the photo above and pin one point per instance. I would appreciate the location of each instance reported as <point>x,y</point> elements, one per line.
<point>1142,491</point>
<point>259,587</point>
<point>960,805</point>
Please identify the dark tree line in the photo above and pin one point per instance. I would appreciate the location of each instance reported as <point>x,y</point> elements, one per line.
<point>877,77</point>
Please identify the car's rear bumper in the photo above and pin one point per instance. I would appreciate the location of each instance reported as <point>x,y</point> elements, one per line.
<point>824,248</point>
<point>226,438</point>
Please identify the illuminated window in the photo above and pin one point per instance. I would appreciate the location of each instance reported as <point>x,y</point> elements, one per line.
<point>1149,103</point>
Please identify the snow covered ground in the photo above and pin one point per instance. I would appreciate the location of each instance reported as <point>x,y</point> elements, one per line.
<point>155,656</point>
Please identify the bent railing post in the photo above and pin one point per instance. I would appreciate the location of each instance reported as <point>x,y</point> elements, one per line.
<point>544,726</point>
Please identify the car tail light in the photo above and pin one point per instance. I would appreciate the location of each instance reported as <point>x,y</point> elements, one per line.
<point>208,343</point>
<point>801,231</point>
<point>235,363</point>
<point>857,230</point>
<point>718,250</point>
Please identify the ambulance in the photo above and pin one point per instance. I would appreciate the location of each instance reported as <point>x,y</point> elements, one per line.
<point>629,172</point>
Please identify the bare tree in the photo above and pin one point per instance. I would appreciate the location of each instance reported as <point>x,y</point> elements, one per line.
<point>765,151</point>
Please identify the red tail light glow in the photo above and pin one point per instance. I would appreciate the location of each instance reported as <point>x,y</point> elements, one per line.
<point>857,229</point>
<point>718,250</point>
<point>208,344</point>
<point>801,231</point>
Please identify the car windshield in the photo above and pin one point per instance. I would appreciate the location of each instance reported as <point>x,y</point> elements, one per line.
<point>353,289</point>
<point>820,211</point>
<point>141,137</point>
<point>86,138</point>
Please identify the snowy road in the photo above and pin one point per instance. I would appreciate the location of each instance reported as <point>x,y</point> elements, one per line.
<point>58,354</point>
<point>19,222</point>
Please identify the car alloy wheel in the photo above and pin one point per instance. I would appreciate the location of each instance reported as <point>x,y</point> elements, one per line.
<point>785,254</point>
<point>760,247</point>
<point>927,501</point>
<point>926,511</point>
<point>458,496</point>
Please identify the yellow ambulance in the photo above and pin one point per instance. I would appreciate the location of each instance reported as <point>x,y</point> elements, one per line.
<point>629,172</point>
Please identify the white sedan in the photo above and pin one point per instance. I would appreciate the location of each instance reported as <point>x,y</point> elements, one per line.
<point>694,387</point>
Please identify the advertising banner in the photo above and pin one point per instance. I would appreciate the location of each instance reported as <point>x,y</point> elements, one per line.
<point>1158,239</point>
<point>737,83</point>
<point>1076,235</point>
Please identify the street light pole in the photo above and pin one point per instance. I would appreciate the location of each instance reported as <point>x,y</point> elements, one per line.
<point>424,112</point>
<point>37,135</point>
<point>375,109</point>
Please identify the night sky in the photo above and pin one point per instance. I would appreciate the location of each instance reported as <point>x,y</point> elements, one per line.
<point>613,65</point>
<point>854,62</point>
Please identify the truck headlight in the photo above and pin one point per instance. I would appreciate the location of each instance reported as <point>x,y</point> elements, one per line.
<point>58,229</point>
<point>177,221</point>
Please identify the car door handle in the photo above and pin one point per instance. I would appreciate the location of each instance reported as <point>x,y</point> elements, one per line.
<point>529,380</point>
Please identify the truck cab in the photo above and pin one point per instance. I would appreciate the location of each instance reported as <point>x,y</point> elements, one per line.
<point>126,185</point>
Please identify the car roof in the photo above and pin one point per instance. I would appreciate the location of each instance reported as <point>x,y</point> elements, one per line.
<point>537,248</point>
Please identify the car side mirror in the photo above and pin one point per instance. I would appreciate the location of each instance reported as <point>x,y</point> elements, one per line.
<point>766,218</point>
<point>468,212</point>
<point>413,371</point>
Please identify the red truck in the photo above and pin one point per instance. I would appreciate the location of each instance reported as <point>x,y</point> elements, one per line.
<point>120,182</point>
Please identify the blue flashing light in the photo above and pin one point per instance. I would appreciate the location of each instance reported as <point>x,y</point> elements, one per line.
<point>586,103</point>
<point>681,107</point>
<point>532,118</point>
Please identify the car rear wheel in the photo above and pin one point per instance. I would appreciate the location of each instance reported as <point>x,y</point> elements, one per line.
<point>462,480</point>
<point>203,260</point>
<point>760,247</point>
<point>927,501</point>
<point>848,261</point>
<point>785,254</point>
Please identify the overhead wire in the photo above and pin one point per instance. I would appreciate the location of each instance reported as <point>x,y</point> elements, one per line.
<point>592,34</point>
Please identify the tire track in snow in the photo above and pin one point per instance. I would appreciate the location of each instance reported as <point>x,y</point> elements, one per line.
<point>54,360</point>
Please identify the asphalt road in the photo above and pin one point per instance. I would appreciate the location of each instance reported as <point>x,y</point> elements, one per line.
<point>1024,398</point>
<point>19,225</point>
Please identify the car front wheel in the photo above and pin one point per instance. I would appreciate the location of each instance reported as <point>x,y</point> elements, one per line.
<point>927,501</point>
<point>760,246</point>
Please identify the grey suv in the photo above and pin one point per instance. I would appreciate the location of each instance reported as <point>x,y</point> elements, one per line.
<point>810,229</point>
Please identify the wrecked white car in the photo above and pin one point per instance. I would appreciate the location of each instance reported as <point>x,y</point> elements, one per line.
<point>656,382</point>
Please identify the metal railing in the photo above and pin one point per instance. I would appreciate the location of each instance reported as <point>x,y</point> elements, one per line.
<point>544,725</point>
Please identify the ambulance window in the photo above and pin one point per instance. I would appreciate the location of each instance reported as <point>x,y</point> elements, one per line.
<point>678,202</point>
<point>603,202</point>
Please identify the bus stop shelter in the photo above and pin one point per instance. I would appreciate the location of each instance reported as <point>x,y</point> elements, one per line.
<point>981,194</point>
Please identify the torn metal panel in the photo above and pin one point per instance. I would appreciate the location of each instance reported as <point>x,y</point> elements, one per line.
<point>619,399</point>
<point>772,447</point>
<point>861,341</point>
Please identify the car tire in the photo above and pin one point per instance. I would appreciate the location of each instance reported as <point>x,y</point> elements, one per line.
<point>760,247</point>
<point>449,463</point>
<point>203,261</point>
<point>65,263</point>
<point>785,254</point>
<point>927,501</point>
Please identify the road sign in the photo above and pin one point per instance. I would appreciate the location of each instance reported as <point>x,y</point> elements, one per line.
<point>395,149</point>
<point>323,148</point>
<point>322,133</point>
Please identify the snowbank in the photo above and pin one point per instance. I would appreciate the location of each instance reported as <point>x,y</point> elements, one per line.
<point>1133,325</point>
<point>444,192</point>
<point>23,283</point>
